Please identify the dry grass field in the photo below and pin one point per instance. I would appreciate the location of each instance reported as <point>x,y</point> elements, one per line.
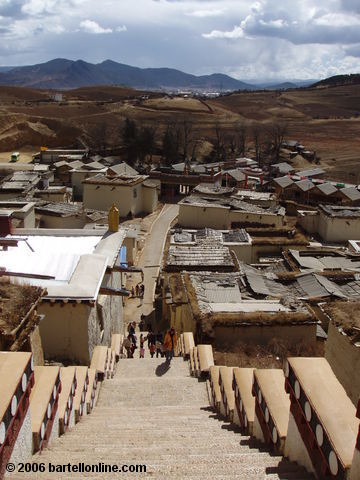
<point>326,120</point>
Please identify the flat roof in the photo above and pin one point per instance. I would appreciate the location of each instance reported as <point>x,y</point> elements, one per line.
<point>320,261</point>
<point>68,265</point>
<point>118,180</point>
<point>231,203</point>
<point>340,211</point>
<point>254,195</point>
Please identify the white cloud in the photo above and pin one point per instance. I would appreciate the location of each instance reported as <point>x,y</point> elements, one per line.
<point>236,32</point>
<point>302,24</point>
<point>90,26</point>
<point>301,38</point>
<point>206,13</point>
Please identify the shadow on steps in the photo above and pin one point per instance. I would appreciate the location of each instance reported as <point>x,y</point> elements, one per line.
<point>162,368</point>
<point>287,470</point>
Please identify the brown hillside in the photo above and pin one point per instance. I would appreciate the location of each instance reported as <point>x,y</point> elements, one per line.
<point>324,120</point>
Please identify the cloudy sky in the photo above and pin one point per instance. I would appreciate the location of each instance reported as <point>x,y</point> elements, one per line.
<point>246,39</point>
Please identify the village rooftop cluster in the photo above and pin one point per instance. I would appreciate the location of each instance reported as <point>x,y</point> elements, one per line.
<point>260,263</point>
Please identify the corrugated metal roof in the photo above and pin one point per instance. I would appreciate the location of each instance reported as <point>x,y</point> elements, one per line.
<point>306,261</point>
<point>257,283</point>
<point>237,174</point>
<point>330,286</point>
<point>283,167</point>
<point>311,172</point>
<point>351,192</point>
<point>283,182</point>
<point>305,185</point>
<point>311,286</point>
<point>326,188</point>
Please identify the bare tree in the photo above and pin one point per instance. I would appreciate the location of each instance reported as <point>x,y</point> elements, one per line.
<point>186,136</point>
<point>100,136</point>
<point>276,135</point>
<point>219,146</point>
<point>241,132</point>
<point>257,134</point>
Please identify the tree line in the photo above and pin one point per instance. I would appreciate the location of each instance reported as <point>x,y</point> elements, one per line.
<point>180,141</point>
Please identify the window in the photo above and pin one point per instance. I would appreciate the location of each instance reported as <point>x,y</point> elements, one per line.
<point>134,193</point>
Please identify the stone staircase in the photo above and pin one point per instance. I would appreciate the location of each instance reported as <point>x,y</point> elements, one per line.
<point>152,415</point>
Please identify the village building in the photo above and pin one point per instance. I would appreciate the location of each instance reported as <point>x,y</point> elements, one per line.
<point>77,176</point>
<point>20,184</point>
<point>293,145</point>
<point>282,168</point>
<point>212,190</point>
<point>207,252</point>
<point>20,213</point>
<point>233,309</point>
<point>234,178</point>
<point>83,274</point>
<point>268,244</point>
<point>131,194</point>
<point>174,182</point>
<point>337,224</point>
<point>237,241</point>
<point>201,212</point>
<point>67,215</point>
<point>122,168</point>
<point>52,155</point>
<point>321,260</point>
<point>54,193</point>
<point>311,173</point>
<point>307,192</point>
<point>261,199</point>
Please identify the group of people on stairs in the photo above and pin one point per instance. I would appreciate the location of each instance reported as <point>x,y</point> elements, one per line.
<point>157,343</point>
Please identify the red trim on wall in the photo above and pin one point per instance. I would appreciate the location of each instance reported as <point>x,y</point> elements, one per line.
<point>264,426</point>
<point>15,426</point>
<point>316,455</point>
<point>49,425</point>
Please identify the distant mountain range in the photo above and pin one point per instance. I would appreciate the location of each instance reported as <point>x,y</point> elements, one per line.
<point>67,74</point>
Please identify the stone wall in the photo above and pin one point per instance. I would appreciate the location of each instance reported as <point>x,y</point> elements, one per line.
<point>344,359</point>
<point>226,336</point>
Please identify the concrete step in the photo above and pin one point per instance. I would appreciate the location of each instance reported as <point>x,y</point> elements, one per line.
<point>161,419</point>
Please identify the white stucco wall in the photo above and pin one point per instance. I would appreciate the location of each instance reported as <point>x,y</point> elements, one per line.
<point>71,331</point>
<point>295,449</point>
<point>150,199</point>
<point>344,359</point>
<point>194,216</point>
<point>52,221</point>
<point>309,221</point>
<point>102,197</point>
<point>338,229</point>
<point>238,216</point>
<point>76,181</point>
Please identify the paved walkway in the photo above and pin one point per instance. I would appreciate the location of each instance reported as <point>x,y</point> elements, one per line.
<point>150,262</point>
